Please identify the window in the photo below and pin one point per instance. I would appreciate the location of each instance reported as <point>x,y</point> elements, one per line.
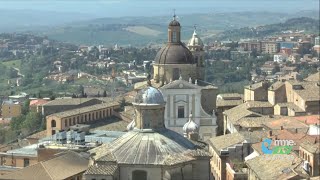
<point>26,162</point>
<point>66,123</point>
<point>74,120</point>
<point>53,123</point>
<point>174,36</point>
<point>176,74</point>
<point>69,121</point>
<point>139,175</point>
<point>180,112</point>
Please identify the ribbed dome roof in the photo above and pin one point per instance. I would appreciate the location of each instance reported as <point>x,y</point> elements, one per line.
<point>149,95</point>
<point>195,40</point>
<point>174,54</point>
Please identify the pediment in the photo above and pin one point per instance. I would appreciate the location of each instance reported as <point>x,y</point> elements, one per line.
<point>180,84</point>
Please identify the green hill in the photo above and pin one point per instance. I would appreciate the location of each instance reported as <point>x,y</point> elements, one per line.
<point>305,24</point>
<point>144,30</point>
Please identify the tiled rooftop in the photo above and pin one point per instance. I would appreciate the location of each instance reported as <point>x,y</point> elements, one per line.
<point>100,169</point>
<point>278,168</point>
<point>68,101</point>
<point>83,110</point>
<point>61,167</point>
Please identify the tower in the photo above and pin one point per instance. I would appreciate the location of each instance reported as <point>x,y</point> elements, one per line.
<point>196,46</point>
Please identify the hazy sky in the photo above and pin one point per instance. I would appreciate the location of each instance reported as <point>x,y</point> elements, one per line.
<point>114,8</point>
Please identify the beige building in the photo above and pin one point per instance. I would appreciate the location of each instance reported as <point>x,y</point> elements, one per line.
<point>66,166</point>
<point>294,97</point>
<point>309,151</point>
<point>10,109</point>
<point>63,120</point>
<point>251,46</point>
<point>270,47</point>
<point>256,92</point>
<point>228,153</point>
<point>225,102</point>
<point>149,151</point>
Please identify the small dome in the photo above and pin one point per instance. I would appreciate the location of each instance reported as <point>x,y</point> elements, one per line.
<point>195,40</point>
<point>149,95</point>
<point>190,126</point>
<point>174,54</point>
<point>174,23</point>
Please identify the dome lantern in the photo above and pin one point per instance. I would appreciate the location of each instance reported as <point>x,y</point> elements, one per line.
<point>149,108</point>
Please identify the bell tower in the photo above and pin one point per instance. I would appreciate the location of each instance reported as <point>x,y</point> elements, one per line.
<point>196,47</point>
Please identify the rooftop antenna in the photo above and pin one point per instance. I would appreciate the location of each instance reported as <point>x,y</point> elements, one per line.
<point>174,14</point>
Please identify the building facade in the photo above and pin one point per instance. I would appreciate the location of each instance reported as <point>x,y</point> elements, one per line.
<point>63,120</point>
<point>10,109</point>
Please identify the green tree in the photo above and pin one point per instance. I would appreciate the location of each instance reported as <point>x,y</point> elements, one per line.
<point>25,107</point>
<point>32,122</point>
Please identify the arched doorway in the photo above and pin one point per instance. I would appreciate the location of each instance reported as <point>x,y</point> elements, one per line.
<point>139,175</point>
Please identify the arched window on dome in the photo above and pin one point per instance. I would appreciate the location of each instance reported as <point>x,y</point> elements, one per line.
<point>174,36</point>
<point>176,74</point>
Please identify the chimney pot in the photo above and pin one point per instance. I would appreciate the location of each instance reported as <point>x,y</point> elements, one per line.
<point>281,127</point>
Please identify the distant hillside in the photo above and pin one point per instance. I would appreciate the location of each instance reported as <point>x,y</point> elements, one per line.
<point>308,25</point>
<point>144,30</point>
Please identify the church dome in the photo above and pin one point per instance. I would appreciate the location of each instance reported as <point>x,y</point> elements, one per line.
<point>195,40</point>
<point>149,95</point>
<point>190,126</point>
<point>174,54</point>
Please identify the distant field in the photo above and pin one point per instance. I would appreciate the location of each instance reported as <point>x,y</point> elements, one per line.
<point>12,63</point>
<point>142,30</point>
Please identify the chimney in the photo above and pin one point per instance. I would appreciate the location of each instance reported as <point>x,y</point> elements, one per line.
<point>270,133</point>
<point>296,130</point>
<point>281,127</point>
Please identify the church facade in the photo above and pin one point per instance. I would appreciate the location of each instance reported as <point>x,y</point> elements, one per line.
<point>179,72</point>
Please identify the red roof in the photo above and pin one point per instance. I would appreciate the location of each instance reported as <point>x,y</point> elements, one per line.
<point>311,119</point>
<point>38,102</point>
